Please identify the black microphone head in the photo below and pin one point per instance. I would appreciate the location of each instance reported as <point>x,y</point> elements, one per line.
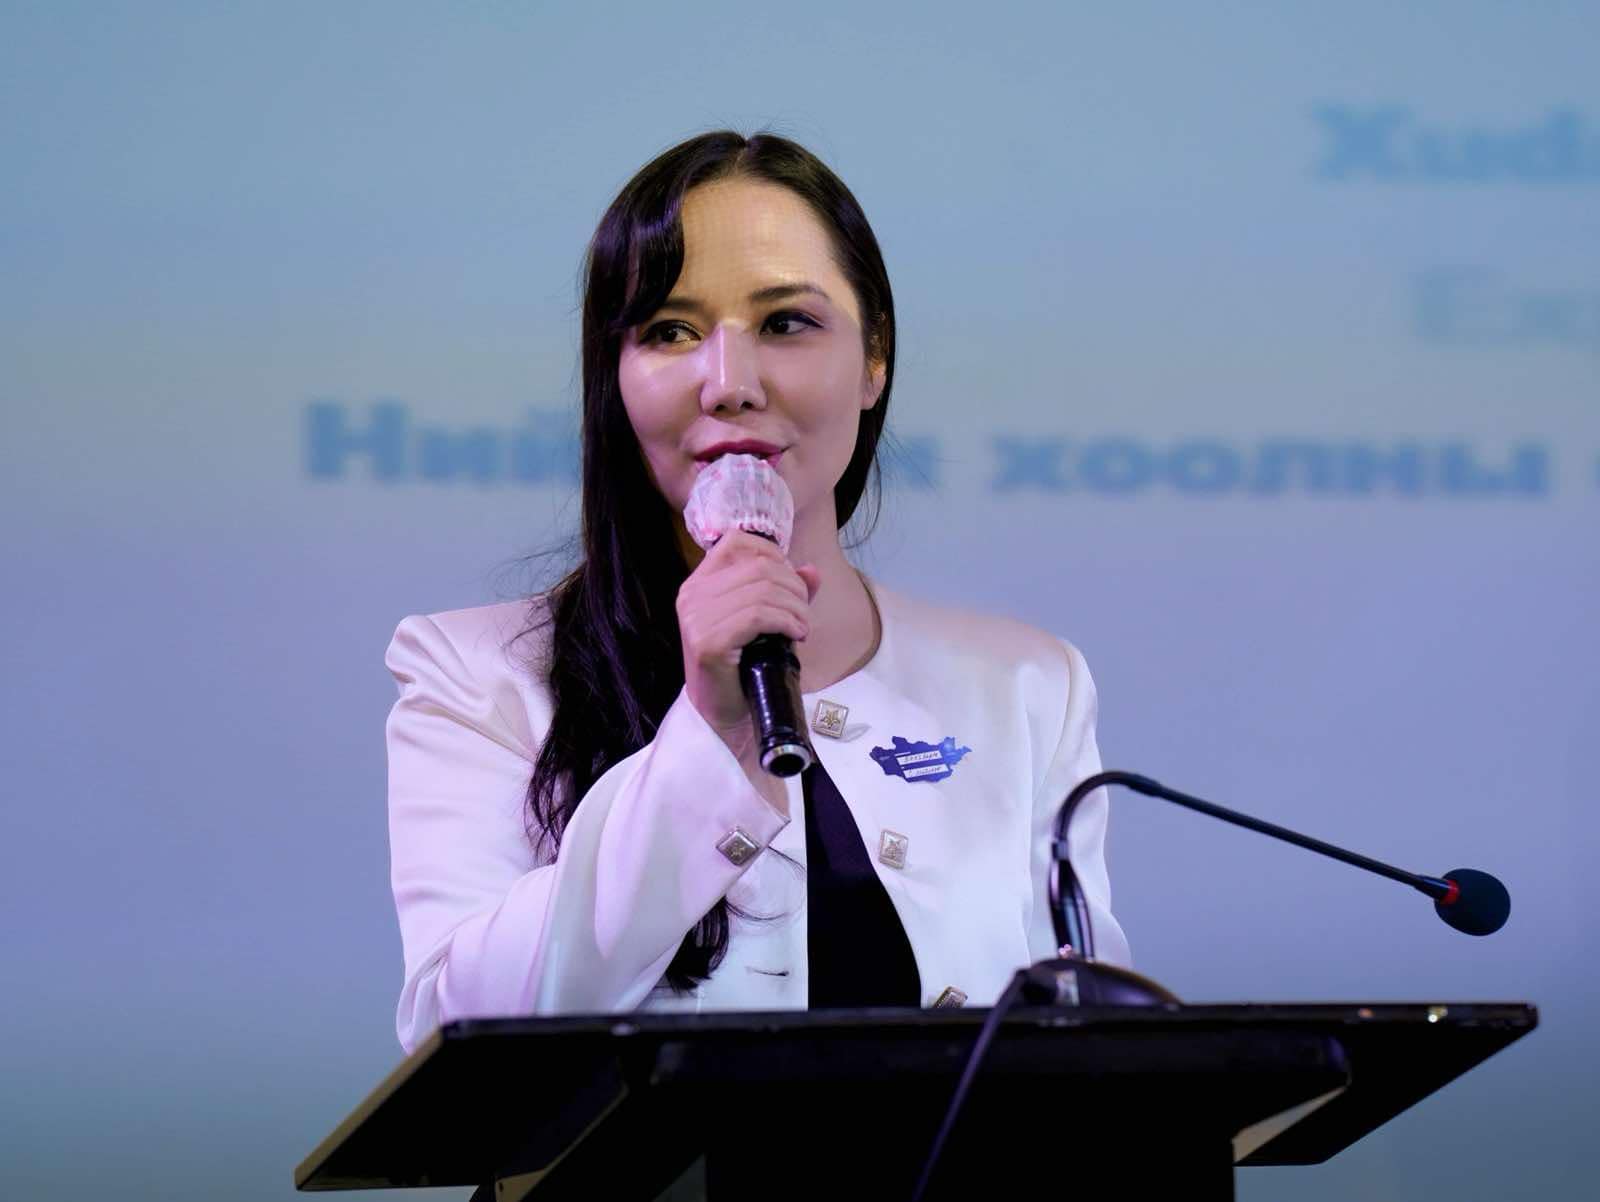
<point>1481,904</point>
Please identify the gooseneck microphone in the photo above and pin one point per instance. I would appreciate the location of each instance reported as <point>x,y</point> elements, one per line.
<point>1467,899</point>
<point>742,492</point>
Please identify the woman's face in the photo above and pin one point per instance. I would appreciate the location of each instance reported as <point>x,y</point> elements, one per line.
<point>721,364</point>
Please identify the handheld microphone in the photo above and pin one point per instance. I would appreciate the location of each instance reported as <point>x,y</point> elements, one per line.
<point>742,492</point>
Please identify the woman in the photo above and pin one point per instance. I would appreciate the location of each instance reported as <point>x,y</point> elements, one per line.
<point>581,824</point>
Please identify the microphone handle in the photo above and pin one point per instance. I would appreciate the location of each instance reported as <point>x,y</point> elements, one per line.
<point>769,674</point>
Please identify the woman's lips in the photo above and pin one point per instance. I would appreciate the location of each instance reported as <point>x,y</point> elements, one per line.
<point>770,460</point>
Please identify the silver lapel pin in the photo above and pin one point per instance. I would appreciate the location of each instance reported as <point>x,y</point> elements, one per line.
<point>830,718</point>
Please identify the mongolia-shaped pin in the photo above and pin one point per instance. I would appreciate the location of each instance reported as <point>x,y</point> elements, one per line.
<point>919,761</point>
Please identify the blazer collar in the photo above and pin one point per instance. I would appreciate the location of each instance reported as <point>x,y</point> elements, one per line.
<point>880,708</point>
<point>876,693</point>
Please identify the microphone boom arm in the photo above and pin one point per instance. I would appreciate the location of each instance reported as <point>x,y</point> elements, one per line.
<point>1070,911</point>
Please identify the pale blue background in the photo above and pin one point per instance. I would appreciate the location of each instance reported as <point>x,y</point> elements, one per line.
<point>1102,223</point>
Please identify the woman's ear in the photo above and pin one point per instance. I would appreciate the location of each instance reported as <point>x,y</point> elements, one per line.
<point>877,374</point>
<point>877,366</point>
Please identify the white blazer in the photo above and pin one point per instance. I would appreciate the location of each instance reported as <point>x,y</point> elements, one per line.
<point>491,930</point>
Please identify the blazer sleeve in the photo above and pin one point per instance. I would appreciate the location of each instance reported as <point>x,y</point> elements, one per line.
<point>489,928</point>
<point>1077,756</point>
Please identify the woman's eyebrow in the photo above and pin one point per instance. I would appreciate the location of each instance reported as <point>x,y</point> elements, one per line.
<point>773,292</point>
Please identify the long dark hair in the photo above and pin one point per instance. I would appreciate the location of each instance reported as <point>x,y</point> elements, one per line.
<point>614,658</point>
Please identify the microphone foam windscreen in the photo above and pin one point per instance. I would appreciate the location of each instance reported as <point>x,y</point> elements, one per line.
<point>1482,904</point>
<point>739,492</point>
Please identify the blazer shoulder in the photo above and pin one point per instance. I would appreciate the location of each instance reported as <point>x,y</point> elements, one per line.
<point>490,660</point>
<point>515,628</point>
<point>973,637</point>
<point>484,634</point>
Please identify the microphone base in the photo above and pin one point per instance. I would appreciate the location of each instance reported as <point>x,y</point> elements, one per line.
<point>1074,981</point>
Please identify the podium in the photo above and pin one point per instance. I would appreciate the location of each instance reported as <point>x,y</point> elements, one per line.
<point>845,1104</point>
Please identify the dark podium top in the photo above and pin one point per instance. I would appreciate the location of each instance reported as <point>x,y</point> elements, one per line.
<point>623,1103</point>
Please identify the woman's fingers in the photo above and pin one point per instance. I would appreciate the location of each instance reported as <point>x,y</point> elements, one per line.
<point>743,556</point>
<point>729,637</point>
<point>743,587</point>
<point>715,633</point>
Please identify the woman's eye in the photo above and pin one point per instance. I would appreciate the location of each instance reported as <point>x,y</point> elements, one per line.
<point>792,316</point>
<point>655,332</point>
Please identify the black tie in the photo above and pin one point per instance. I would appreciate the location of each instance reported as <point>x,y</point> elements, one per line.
<point>858,951</point>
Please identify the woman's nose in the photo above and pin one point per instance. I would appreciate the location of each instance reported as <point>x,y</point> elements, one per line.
<point>733,377</point>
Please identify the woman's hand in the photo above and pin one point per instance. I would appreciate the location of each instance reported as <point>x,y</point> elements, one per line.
<point>743,587</point>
